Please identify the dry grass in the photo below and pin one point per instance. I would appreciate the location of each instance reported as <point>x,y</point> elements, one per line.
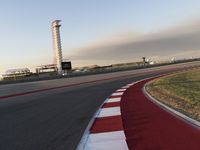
<point>180,91</point>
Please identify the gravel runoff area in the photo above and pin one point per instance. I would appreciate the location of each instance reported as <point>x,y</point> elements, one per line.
<point>181,91</point>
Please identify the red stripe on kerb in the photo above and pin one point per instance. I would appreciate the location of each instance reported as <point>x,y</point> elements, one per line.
<point>148,126</point>
<point>112,104</point>
<point>107,124</point>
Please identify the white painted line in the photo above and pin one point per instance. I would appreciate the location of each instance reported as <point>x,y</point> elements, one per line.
<point>107,141</point>
<point>117,94</point>
<point>106,112</point>
<point>110,100</point>
<point>107,145</point>
<point>84,139</point>
<point>121,90</point>
<point>125,87</point>
<point>107,136</point>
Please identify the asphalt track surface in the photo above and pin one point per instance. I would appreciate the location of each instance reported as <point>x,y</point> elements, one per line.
<point>148,126</point>
<point>54,119</point>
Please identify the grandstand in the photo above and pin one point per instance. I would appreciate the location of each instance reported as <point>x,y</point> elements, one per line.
<point>46,68</point>
<point>20,73</point>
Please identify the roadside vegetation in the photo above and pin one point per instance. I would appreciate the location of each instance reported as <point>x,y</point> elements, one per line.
<point>180,91</point>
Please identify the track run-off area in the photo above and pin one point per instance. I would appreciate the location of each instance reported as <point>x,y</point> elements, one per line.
<point>54,114</point>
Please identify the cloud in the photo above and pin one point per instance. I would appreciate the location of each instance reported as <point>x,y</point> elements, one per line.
<point>182,40</point>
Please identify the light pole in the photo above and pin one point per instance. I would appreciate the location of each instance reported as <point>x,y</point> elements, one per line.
<point>144,60</point>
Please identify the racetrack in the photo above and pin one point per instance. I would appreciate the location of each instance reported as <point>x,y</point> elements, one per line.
<point>55,119</point>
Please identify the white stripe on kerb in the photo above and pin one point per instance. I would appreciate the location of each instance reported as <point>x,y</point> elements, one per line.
<point>118,94</point>
<point>110,100</point>
<point>106,112</point>
<point>121,90</point>
<point>107,141</point>
<point>125,87</point>
<point>115,135</point>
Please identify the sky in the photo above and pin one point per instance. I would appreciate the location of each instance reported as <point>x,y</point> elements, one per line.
<point>98,32</point>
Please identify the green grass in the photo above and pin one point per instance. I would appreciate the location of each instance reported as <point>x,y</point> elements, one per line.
<point>180,91</point>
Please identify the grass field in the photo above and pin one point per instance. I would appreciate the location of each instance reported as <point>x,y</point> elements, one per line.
<point>180,91</point>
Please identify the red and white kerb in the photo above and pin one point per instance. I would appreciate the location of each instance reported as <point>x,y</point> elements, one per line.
<point>106,131</point>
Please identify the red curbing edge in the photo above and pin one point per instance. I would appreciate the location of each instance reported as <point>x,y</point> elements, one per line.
<point>148,126</point>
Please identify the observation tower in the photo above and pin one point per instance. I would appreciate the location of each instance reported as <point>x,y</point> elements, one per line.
<point>57,45</point>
